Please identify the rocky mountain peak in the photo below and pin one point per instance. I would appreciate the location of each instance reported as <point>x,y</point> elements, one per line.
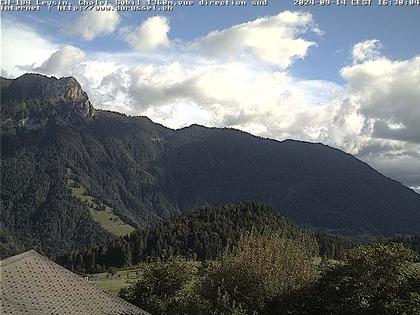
<point>32,100</point>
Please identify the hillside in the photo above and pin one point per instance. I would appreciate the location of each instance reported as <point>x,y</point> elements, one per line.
<point>145,172</point>
<point>203,234</point>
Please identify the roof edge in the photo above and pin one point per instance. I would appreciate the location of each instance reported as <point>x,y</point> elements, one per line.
<point>13,259</point>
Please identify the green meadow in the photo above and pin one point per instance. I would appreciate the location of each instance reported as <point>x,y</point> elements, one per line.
<point>100,212</point>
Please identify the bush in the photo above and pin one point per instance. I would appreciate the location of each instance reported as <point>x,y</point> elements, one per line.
<point>376,279</point>
<point>158,290</point>
<point>261,270</point>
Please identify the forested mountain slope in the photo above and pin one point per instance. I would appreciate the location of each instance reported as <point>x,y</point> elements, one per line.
<point>145,172</point>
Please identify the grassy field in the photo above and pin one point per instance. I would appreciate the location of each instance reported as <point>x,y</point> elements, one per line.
<point>101,213</point>
<point>115,283</point>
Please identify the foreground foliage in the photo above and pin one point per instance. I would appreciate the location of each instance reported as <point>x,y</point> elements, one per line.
<point>270,274</point>
<point>260,270</point>
<point>375,279</point>
<point>245,280</point>
<point>161,284</point>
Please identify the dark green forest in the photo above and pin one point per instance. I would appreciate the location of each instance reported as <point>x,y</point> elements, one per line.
<point>203,234</point>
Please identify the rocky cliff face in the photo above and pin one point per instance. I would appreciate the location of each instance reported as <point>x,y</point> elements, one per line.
<point>32,101</point>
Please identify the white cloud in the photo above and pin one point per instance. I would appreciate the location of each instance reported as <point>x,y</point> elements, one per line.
<point>367,50</point>
<point>22,47</point>
<point>150,35</point>
<point>234,94</point>
<point>93,24</point>
<point>383,98</point>
<point>386,93</point>
<point>62,62</point>
<point>276,39</point>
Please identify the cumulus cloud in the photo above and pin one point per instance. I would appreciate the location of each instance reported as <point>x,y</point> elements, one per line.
<point>387,95</point>
<point>22,47</point>
<point>383,98</point>
<point>111,92</point>
<point>62,62</point>
<point>233,94</point>
<point>150,35</point>
<point>276,39</point>
<point>93,24</point>
<point>366,50</point>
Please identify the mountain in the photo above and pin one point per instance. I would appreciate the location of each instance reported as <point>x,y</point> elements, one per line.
<point>74,175</point>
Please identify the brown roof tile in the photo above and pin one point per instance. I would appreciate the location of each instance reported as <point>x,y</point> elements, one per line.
<point>32,284</point>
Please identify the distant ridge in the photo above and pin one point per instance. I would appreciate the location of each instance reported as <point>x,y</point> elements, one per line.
<point>146,172</point>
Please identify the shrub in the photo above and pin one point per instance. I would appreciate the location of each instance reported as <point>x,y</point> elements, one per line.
<point>375,279</point>
<point>262,269</point>
<point>158,289</point>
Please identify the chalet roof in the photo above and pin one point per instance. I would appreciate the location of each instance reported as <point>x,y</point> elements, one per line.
<point>32,284</point>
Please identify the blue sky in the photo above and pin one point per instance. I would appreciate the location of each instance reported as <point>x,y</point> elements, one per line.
<point>395,27</point>
<point>345,76</point>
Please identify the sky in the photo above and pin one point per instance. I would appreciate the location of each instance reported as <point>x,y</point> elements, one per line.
<point>347,76</point>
